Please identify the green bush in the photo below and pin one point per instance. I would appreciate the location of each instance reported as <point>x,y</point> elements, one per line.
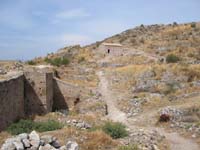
<point>26,126</point>
<point>128,147</point>
<point>31,62</point>
<point>193,25</point>
<point>115,130</point>
<point>171,58</point>
<point>57,61</point>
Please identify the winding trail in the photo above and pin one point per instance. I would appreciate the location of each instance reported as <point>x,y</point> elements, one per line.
<point>176,141</point>
<point>113,112</point>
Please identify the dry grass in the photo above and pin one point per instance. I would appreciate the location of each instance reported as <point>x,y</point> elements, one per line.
<point>96,140</point>
<point>3,137</point>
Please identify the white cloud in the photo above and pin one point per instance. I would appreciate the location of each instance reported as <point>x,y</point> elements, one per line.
<point>71,14</point>
<point>73,39</point>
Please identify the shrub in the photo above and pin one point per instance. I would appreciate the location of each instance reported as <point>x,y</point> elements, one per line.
<point>175,23</point>
<point>50,125</point>
<point>115,130</point>
<point>23,126</point>
<point>31,62</point>
<point>26,126</point>
<point>57,61</point>
<point>171,58</point>
<point>128,147</point>
<point>193,25</point>
<point>164,118</point>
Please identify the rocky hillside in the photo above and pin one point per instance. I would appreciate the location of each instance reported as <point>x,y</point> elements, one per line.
<point>152,91</point>
<point>181,39</point>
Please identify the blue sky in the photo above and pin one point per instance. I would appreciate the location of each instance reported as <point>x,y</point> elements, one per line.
<point>30,28</point>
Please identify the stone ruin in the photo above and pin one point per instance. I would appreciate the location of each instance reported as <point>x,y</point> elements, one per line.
<point>33,91</point>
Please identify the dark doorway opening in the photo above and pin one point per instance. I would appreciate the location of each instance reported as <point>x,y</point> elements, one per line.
<point>108,51</point>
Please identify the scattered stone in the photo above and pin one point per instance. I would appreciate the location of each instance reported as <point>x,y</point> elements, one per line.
<point>2,72</point>
<point>34,142</point>
<point>145,139</point>
<point>71,145</point>
<point>26,143</point>
<point>194,136</point>
<point>79,124</point>
<point>18,145</point>
<point>47,139</point>
<point>8,145</point>
<point>47,147</point>
<point>55,144</point>
<point>34,139</point>
<point>23,136</point>
<point>63,148</point>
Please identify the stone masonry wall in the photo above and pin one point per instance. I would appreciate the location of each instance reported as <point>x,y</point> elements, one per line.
<point>38,91</point>
<point>65,94</point>
<point>11,100</point>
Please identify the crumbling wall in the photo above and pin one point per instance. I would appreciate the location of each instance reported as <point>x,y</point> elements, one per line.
<point>38,91</point>
<point>66,95</point>
<point>11,100</point>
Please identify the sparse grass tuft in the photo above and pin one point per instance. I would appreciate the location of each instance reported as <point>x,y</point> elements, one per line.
<point>171,58</point>
<point>128,147</point>
<point>115,130</point>
<point>193,25</point>
<point>26,126</point>
<point>57,61</point>
<point>31,62</point>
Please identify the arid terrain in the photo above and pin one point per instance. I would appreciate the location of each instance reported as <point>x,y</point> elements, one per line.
<point>152,88</point>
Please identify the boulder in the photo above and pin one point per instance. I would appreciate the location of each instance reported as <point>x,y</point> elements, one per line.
<point>63,148</point>
<point>18,145</point>
<point>8,145</point>
<point>26,143</point>
<point>72,145</point>
<point>55,144</point>
<point>47,139</point>
<point>34,139</point>
<point>23,136</point>
<point>47,147</point>
<point>80,125</point>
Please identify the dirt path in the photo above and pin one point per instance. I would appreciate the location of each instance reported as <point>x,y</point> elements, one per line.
<point>176,141</point>
<point>113,112</point>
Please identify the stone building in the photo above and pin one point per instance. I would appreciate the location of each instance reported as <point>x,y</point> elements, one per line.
<point>111,49</point>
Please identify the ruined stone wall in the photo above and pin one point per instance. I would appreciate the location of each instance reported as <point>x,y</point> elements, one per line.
<point>66,95</point>
<point>11,100</point>
<point>38,91</point>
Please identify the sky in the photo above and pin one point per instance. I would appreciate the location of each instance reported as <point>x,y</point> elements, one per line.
<point>32,28</point>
